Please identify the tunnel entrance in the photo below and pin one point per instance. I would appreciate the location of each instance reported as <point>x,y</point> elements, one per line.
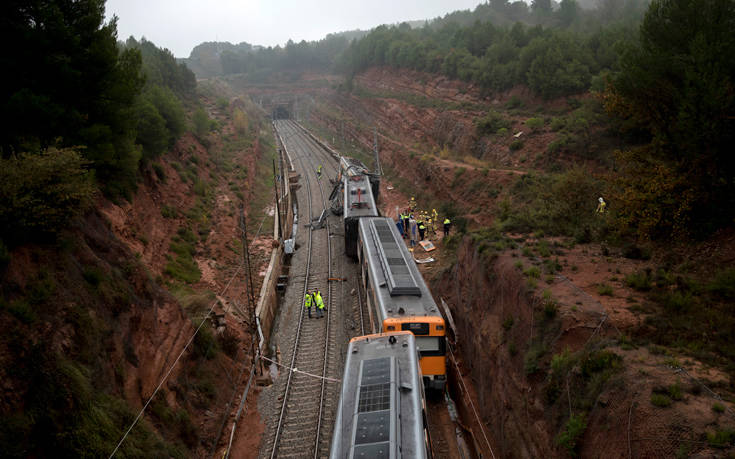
<point>281,112</point>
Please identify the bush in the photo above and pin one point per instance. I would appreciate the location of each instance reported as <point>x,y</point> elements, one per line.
<point>160,173</point>
<point>535,124</point>
<point>660,400</point>
<point>721,438</point>
<point>169,212</point>
<point>723,285</point>
<point>205,346</point>
<point>605,290</point>
<point>42,193</point>
<point>640,280</point>
<point>514,102</point>
<point>573,430</point>
<point>516,145</point>
<point>490,123</point>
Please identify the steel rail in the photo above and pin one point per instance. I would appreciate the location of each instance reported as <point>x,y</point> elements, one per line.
<point>298,332</point>
<point>298,138</point>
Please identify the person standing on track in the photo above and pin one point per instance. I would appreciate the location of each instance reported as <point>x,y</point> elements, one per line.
<point>319,172</point>
<point>319,304</point>
<point>308,302</point>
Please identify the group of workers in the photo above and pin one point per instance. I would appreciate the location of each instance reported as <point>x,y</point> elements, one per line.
<point>314,299</point>
<point>414,224</point>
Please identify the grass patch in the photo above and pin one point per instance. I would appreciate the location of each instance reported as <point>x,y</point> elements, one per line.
<point>604,290</point>
<point>721,438</point>
<point>660,400</point>
<point>183,267</point>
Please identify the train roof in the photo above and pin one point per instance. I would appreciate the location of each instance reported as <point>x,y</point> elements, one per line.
<point>380,408</point>
<point>399,287</point>
<point>352,166</point>
<point>359,200</point>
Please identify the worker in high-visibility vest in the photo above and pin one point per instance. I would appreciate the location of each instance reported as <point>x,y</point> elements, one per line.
<point>405,217</point>
<point>447,224</point>
<point>319,171</point>
<point>308,303</point>
<point>319,304</point>
<point>601,204</point>
<point>422,230</point>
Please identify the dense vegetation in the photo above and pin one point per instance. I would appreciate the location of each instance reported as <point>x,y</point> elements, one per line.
<point>73,85</point>
<point>555,53</point>
<point>677,86</point>
<point>215,58</point>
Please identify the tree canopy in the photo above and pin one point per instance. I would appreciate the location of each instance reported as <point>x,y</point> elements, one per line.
<point>678,85</point>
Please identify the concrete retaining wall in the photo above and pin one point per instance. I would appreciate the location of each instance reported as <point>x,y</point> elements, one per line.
<point>268,299</point>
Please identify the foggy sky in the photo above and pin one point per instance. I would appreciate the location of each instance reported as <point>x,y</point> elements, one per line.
<point>180,25</point>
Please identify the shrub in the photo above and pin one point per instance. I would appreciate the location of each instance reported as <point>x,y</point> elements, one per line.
<point>160,173</point>
<point>530,361</point>
<point>205,346</point>
<point>640,280</point>
<point>557,123</point>
<point>535,124</point>
<point>516,145</point>
<point>42,192</point>
<point>723,285</point>
<point>551,308</point>
<point>573,430</point>
<point>605,290</point>
<point>490,123</point>
<point>718,407</point>
<point>675,392</point>
<point>721,438</point>
<point>169,212</point>
<point>514,102</point>
<point>532,272</point>
<point>660,400</point>
<point>22,311</point>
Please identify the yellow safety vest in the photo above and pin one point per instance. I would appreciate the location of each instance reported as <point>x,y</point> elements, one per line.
<point>446,221</point>
<point>307,300</point>
<point>319,301</point>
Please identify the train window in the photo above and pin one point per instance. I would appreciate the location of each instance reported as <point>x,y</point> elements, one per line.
<point>428,344</point>
<point>417,328</point>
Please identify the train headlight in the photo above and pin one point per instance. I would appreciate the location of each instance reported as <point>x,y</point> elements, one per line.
<point>390,328</point>
<point>440,327</point>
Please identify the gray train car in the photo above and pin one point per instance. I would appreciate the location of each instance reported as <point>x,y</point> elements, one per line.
<point>358,202</point>
<point>382,409</point>
<point>398,297</point>
<point>350,167</point>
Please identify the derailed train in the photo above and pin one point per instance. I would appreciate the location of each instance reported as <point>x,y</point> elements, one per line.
<point>391,284</point>
<point>382,408</point>
<point>382,411</point>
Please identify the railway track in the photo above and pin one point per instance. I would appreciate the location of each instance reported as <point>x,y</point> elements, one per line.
<point>360,322</point>
<point>302,427</point>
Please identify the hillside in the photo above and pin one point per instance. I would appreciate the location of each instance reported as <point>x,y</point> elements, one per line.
<point>583,333</point>
<point>121,258</point>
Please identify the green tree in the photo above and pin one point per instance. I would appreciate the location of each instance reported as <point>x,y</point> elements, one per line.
<point>69,84</point>
<point>202,123</point>
<point>678,84</point>
<point>41,192</point>
<point>152,132</point>
<point>171,109</point>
